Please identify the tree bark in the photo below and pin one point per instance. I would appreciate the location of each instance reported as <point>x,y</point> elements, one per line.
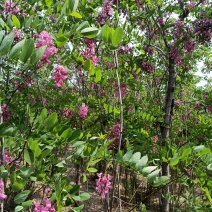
<point>165,129</point>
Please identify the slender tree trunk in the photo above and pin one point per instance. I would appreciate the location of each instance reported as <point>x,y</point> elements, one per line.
<point>165,128</point>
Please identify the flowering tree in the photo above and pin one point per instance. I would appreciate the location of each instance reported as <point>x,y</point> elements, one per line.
<point>101,87</point>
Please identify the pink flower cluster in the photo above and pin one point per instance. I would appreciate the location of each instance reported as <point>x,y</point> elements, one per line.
<point>46,40</point>
<point>177,103</point>
<point>160,21</point>
<point>197,105</point>
<point>10,160</point>
<point>116,130</point>
<point>67,113</point>
<point>155,140</point>
<point>6,113</point>
<point>189,46</point>
<point>203,29</point>
<point>149,50</point>
<point>103,184</point>
<point>11,8</point>
<point>178,28</point>
<point>89,52</point>
<point>106,12</point>
<point>26,78</point>
<point>123,89</point>
<point>209,109</point>
<point>149,67</point>
<point>125,50</point>
<point>48,207</point>
<point>115,134</point>
<point>59,75</point>
<point>139,3</point>
<point>191,5</point>
<point>2,195</point>
<point>175,55</point>
<point>17,35</point>
<point>83,111</point>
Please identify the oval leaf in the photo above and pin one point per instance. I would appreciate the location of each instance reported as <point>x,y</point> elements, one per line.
<point>21,197</point>
<point>15,51</point>
<point>89,32</point>
<point>37,55</point>
<point>27,50</point>
<point>16,22</point>
<point>6,43</point>
<point>117,36</point>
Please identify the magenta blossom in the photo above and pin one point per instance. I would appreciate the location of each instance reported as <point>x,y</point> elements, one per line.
<point>83,111</point>
<point>59,75</point>
<point>46,40</point>
<point>103,184</point>
<point>47,207</point>
<point>2,195</point>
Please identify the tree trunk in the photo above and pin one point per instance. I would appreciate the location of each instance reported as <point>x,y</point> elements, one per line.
<point>165,128</point>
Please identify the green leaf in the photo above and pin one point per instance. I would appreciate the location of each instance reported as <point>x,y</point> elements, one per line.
<point>48,2</point>
<point>160,180</point>
<point>78,209</point>
<point>105,33</point>
<point>19,208</point>
<point>43,115</point>
<point>90,32</point>
<point>7,131</point>
<point>6,43</point>
<point>50,121</point>
<point>185,153</point>
<point>21,197</point>
<point>74,190</point>
<point>76,198</point>
<point>33,145</point>
<point>83,25</point>
<point>127,156</point>
<point>15,51</point>
<point>78,143</point>
<point>27,50</point>
<point>207,194</point>
<point>143,161</point>
<point>209,167</point>
<point>16,22</point>
<point>27,204</point>
<point>37,55</point>
<point>28,21</point>
<point>75,135</point>
<point>84,2</point>
<point>151,177</point>
<point>60,41</point>
<point>98,75</point>
<point>61,164</point>
<point>17,186</point>
<point>93,170</point>
<point>148,170</point>
<point>198,148</point>
<point>26,172</point>
<point>13,176</point>
<point>175,160</point>
<point>2,33</point>
<point>29,156</point>
<point>87,65</point>
<point>35,22</point>
<point>85,196</point>
<point>73,4</point>
<point>135,158</point>
<point>66,134</point>
<point>117,36</point>
<point>75,14</point>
